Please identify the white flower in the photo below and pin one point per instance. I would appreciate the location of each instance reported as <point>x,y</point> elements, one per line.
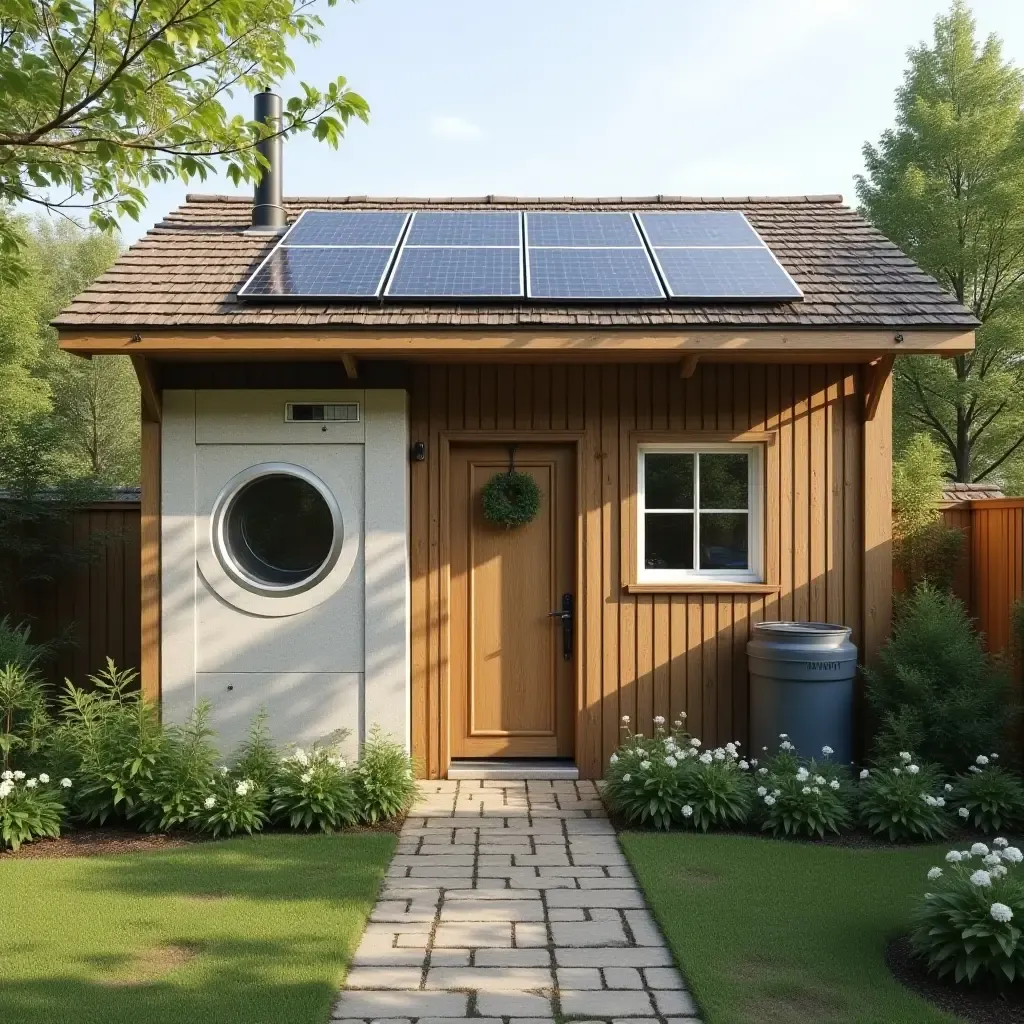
<point>929,800</point>
<point>753,761</point>
<point>1000,843</point>
<point>1000,912</point>
<point>671,762</point>
<point>7,776</point>
<point>896,771</point>
<point>762,771</point>
<point>954,857</point>
<point>834,784</point>
<point>730,748</point>
<point>644,765</point>
<point>995,757</point>
<point>783,735</point>
<point>626,777</point>
<point>992,859</point>
<point>1013,855</point>
<point>979,850</point>
<point>719,754</point>
<point>694,742</point>
<point>44,778</point>
<point>223,769</point>
<point>948,788</point>
<point>305,776</point>
<point>761,790</point>
<point>940,801</point>
<point>242,789</point>
<point>614,758</point>
<point>981,759</point>
<point>785,745</point>
<point>65,783</point>
<point>816,789</point>
<point>744,766</point>
<point>964,813</point>
<point>625,719</point>
<point>5,788</point>
<point>769,800</point>
<point>687,811</point>
<point>705,758</point>
<point>806,790</point>
<point>913,769</point>
<point>802,774</point>
<point>864,773</point>
<point>981,879</point>
<point>678,723</point>
<point>827,750</point>
<point>210,802</point>
<point>682,716</point>
<point>998,870</point>
<point>905,757</point>
<point>934,873</point>
<point>659,719</point>
<point>973,768</point>
<point>819,780</point>
<point>32,783</point>
<point>19,776</point>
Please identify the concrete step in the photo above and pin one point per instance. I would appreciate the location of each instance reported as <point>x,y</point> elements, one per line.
<point>513,770</point>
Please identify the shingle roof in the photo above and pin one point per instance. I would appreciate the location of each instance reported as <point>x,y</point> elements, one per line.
<point>186,271</point>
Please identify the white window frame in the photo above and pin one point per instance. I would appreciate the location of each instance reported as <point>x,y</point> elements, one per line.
<point>755,514</point>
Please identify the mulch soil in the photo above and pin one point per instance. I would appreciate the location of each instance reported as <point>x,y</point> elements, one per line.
<point>979,1004</point>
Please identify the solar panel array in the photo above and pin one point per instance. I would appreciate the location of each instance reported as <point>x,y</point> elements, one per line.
<point>546,256</point>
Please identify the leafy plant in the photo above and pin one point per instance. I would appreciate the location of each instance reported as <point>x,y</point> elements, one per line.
<point>17,647</point>
<point>30,808</point>
<point>257,758</point>
<point>315,790</point>
<point>24,719</point>
<point>799,797</point>
<point>232,805</point>
<point>988,796</point>
<point>903,800</point>
<point>935,690</point>
<point>384,778</point>
<point>966,926</point>
<point>715,789</point>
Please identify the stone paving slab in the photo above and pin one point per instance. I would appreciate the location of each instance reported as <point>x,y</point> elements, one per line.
<point>511,903</point>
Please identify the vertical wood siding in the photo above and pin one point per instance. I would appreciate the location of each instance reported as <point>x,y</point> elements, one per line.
<point>649,654</point>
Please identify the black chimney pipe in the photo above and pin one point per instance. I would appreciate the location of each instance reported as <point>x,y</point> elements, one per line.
<point>267,204</point>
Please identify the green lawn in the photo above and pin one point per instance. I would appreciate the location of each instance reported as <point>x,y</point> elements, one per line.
<point>249,931</point>
<point>770,932</point>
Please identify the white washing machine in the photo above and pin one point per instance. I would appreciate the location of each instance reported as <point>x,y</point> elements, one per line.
<point>285,561</point>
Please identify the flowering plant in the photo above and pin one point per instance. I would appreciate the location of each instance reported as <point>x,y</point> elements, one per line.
<point>992,796</point>
<point>968,926</point>
<point>384,778</point>
<point>233,805</point>
<point>257,758</point>
<point>802,797</point>
<point>903,800</point>
<point>30,808</point>
<point>666,779</point>
<point>314,789</point>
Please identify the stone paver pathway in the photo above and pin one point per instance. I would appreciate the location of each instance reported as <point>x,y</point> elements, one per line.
<point>511,900</point>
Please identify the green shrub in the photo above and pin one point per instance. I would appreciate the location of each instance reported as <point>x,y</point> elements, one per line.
<point>384,779</point>
<point>968,925</point>
<point>231,805</point>
<point>988,797</point>
<point>802,797</point>
<point>30,808</point>
<point>715,790</point>
<point>116,742</point>
<point>315,790</point>
<point>25,723</point>
<point>935,690</point>
<point>903,800</point>
<point>257,758</point>
<point>16,647</point>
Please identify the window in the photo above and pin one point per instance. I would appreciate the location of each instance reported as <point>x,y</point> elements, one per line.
<point>699,513</point>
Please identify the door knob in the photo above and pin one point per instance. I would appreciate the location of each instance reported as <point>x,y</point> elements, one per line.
<point>565,615</point>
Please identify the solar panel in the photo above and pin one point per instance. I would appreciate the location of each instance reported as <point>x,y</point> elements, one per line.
<point>435,227</point>
<point>607,273</point>
<point>457,272</point>
<point>577,229</point>
<point>711,227</point>
<point>346,227</point>
<point>736,273</point>
<point>320,272</point>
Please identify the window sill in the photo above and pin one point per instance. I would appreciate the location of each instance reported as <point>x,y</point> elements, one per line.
<point>698,587</point>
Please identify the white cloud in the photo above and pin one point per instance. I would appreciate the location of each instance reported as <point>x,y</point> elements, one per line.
<point>451,126</point>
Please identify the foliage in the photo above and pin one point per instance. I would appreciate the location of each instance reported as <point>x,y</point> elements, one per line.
<point>903,800</point>
<point>935,690</point>
<point>17,647</point>
<point>257,759</point>
<point>511,499</point>
<point>117,741</point>
<point>989,797</point>
<point>802,797</point>
<point>666,780</point>
<point>946,184</point>
<point>315,790</point>
<point>231,805</point>
<point>103,99</point>
<point>384,778</point>
<point>24,721</point>
<point>965,926</point>
<point>925,549</point>
<point>180,780</point>
<point>30,808</point>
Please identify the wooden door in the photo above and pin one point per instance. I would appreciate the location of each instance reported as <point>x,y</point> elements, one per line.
<point>511,686</point>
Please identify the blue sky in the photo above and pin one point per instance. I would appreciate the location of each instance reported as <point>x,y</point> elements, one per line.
<point>591,97</point>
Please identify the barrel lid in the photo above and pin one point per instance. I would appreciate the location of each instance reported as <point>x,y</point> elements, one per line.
<point>812,632</point>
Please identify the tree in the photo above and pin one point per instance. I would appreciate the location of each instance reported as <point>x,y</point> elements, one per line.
<point>102,97</point>
<point>947,186</point>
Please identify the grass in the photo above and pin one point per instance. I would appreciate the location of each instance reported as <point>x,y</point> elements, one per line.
<point>235,932</point>
<point>768,932</point>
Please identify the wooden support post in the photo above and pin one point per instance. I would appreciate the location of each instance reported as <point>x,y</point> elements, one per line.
<point>149,530</point>
<point>688,367</point>
<point>876,495</point>
<point>876,377</point>
<point>152,407</point>
<point>350,364</point>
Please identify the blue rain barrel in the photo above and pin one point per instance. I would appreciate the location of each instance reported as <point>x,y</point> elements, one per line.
<point>801,683</point>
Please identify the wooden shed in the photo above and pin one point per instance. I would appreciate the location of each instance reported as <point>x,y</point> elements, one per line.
<point>703,461</point>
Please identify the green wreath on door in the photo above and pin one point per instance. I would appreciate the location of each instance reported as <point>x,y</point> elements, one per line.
<point>512,498</point>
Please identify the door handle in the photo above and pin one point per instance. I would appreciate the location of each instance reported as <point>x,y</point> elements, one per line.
<point>565,614</point>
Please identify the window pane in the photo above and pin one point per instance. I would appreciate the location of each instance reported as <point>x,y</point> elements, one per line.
<point>668,541</point>
<point>668,480</point>
<point>723,481</point>
<point>723,540</point>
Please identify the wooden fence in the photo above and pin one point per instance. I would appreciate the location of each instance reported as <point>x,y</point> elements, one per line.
<point>97,598</point>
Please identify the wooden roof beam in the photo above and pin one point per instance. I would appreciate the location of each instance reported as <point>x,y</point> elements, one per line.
<point>875,376</point>
<point>351,365</point>
<point>688,367</point>
<point>149,389</point>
